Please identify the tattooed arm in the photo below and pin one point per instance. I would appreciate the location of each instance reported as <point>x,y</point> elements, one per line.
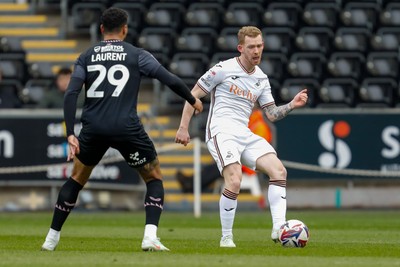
<point>275,113</point>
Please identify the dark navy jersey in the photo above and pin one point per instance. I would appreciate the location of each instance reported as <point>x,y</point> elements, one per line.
<point>111,71</point>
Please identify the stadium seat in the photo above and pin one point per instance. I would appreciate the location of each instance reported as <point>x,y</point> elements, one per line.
<point>9,44</point>
<point>9,69</point>
<point>386,39</point>
<point>132,37</point>
<point>136,13</point>
<point>10,92</point>
<point>41,70</point>
<point>34,90</point>
<point>274,65</point>
<point>278,39</point>
<point>360,14</point>
<point>86,14</point>
<point>182,2</point>
<point>260,2</point>
<point>346,64</point>
<point>336,93</point>
<point>54,5</point>
<point>221,56</point>
<point>315,39</point>
<point>197,39</point>
<point>290,87</point>
<point>13,66</point>
<point>189,65</point>
<point>243,13</point>
<point>377,92</point>
<point>321,14</point>
<point>143,2</point>
<point>162,58</point>
<point>383,64</point>
<point>157,40</point>
<point>275,88</point>
<point>390,16</point>
<point>165,15</point>
<point>205,14</point>
<point>306,65</point>
<point>96,36</point>
<point>285,14</point>
<point>352,39</point>
<point>227,40</point>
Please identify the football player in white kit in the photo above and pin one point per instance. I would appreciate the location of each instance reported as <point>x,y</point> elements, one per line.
<point>235,85</point>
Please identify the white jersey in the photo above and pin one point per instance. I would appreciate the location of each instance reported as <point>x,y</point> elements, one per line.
<point>233,94</point>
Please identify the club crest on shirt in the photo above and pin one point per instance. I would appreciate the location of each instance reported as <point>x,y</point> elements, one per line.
<point>229,155</point>
<point>207,79</point>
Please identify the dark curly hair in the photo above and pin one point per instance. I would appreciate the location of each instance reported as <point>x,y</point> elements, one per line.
<point>113,19</point>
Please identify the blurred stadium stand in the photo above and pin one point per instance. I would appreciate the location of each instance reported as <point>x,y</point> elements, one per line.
<point>320,40</point>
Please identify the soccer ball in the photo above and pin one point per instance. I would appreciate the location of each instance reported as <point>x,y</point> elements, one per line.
<point>294,233</point>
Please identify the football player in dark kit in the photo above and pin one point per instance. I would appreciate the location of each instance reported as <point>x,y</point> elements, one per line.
<point>111,71</point>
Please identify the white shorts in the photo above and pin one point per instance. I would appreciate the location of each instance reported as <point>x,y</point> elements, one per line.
<point>227,149</point>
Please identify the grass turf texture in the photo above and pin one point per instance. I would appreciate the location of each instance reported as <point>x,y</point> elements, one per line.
<point>338,238</point>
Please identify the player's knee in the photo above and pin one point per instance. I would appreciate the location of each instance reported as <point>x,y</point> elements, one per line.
<point>282,173</point>
<point>278,174</point>
<point>236,185</point>
<point>233,183</point>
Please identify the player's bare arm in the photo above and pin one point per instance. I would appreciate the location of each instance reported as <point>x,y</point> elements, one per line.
<point>198,106</point>
<point>182,135</point>
<point>275,113</point>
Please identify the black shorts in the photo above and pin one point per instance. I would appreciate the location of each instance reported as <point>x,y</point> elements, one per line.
<point>137,149</point>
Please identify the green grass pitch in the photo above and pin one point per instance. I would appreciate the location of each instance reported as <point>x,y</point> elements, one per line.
<point>338,238</point>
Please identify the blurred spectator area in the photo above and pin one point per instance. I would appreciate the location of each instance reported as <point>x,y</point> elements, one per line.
<point>345,52</point>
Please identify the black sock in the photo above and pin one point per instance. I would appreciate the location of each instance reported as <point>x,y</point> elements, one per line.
<point>154,201</point>
<point>65,203</point>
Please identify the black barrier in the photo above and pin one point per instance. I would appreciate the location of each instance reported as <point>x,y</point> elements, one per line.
<point>358,140</point>
<point>313,143</point>
<point>33,147</point>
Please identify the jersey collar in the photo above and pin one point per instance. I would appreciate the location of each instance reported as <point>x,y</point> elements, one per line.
<point>244,69</point>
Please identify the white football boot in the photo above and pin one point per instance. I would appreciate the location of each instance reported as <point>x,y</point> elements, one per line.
<point>153,244</point>
<point>227,242</point>
<point>275,235</point>
<point>51,242</point>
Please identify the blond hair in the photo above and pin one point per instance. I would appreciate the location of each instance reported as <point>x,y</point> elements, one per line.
<point>250,31</point>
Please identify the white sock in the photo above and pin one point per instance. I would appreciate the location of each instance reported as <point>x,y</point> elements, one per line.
<point>277,204</point>
<point>150,230</point>
<point>53,234</point>
<point>227,210</point>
